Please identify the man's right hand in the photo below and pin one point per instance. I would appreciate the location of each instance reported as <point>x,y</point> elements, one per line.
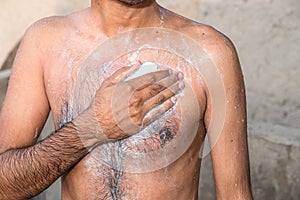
<point>120,106</point>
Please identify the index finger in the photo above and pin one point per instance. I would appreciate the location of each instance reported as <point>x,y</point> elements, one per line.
<point>148,79</point>
<point>121,74</point>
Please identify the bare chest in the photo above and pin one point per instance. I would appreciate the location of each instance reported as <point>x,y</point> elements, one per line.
<point>72,77</point>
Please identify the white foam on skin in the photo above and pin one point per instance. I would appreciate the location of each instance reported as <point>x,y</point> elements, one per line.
<point>131,43</point>
<point>145,68</point>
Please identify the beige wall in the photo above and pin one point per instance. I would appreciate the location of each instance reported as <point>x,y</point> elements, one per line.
<point>16,16</point>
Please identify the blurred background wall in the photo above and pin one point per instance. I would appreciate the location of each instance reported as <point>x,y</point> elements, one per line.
<point>267,36</point>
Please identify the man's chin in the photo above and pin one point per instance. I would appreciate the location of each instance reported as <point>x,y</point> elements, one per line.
<point>133,2</point>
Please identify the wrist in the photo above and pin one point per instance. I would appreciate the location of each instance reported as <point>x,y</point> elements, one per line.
<point>88,128</point>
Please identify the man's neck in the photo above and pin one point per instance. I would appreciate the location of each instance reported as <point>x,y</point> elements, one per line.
<point>113,17</point>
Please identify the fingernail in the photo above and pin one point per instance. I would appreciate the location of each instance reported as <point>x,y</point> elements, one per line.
<point>181,85</point>
<point>174,100</point>
<point>170,71</point>
<point>180,76</point>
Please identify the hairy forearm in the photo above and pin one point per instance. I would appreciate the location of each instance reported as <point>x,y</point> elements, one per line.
<point>28,171</point>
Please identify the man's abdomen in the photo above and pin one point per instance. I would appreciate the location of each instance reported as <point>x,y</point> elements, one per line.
<point>148,165</point>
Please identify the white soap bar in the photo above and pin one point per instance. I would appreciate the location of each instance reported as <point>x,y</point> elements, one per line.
<point>145,68</point>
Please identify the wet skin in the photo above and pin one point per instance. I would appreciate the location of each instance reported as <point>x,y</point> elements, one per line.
<point>110,179</point>
<point>65,43</point>
<point>93,165</point>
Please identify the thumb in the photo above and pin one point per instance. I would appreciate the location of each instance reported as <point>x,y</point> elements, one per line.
<point>121,74</point>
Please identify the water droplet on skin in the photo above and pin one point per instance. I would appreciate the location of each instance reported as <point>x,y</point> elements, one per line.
<point>222,76</point>
<point>48,83</point>
<point>120,29</point>
<point>36,133</point>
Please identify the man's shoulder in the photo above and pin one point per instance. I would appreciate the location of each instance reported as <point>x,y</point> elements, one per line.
<point>48,26</point>
<point>218,47</point>
<point>56,26</point>
<point>209,38</point>
<point>216,44</point>
<point>50,32</point>
<point>206,36</point>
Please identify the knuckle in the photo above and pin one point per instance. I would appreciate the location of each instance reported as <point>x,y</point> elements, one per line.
<point>152,78</point>
<point>170,80</point>
<point>156,87</point>
<point>139,122</point>
<point>169,105</point>
<point>173,91</point>
<point>161,99</point>
<point>152,92</point>
<point>134,112</point>
<point>134,100</point>
<point>129,88</point>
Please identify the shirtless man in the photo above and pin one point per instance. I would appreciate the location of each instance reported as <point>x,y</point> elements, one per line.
<point>52,51</point>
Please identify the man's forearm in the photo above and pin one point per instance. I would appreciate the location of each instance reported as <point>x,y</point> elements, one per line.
<point>26,172</point>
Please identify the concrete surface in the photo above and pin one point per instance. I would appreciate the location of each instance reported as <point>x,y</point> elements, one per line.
<point>16,16</point>
<point>266,34</point>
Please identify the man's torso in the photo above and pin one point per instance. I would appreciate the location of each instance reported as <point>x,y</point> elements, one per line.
<point>126,169</point>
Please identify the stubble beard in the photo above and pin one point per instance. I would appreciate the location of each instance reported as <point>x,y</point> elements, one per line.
<point>133,2</point>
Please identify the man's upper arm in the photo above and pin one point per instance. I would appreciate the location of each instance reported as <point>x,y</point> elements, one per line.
<point>230,152</point>
<point>26,106</point>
